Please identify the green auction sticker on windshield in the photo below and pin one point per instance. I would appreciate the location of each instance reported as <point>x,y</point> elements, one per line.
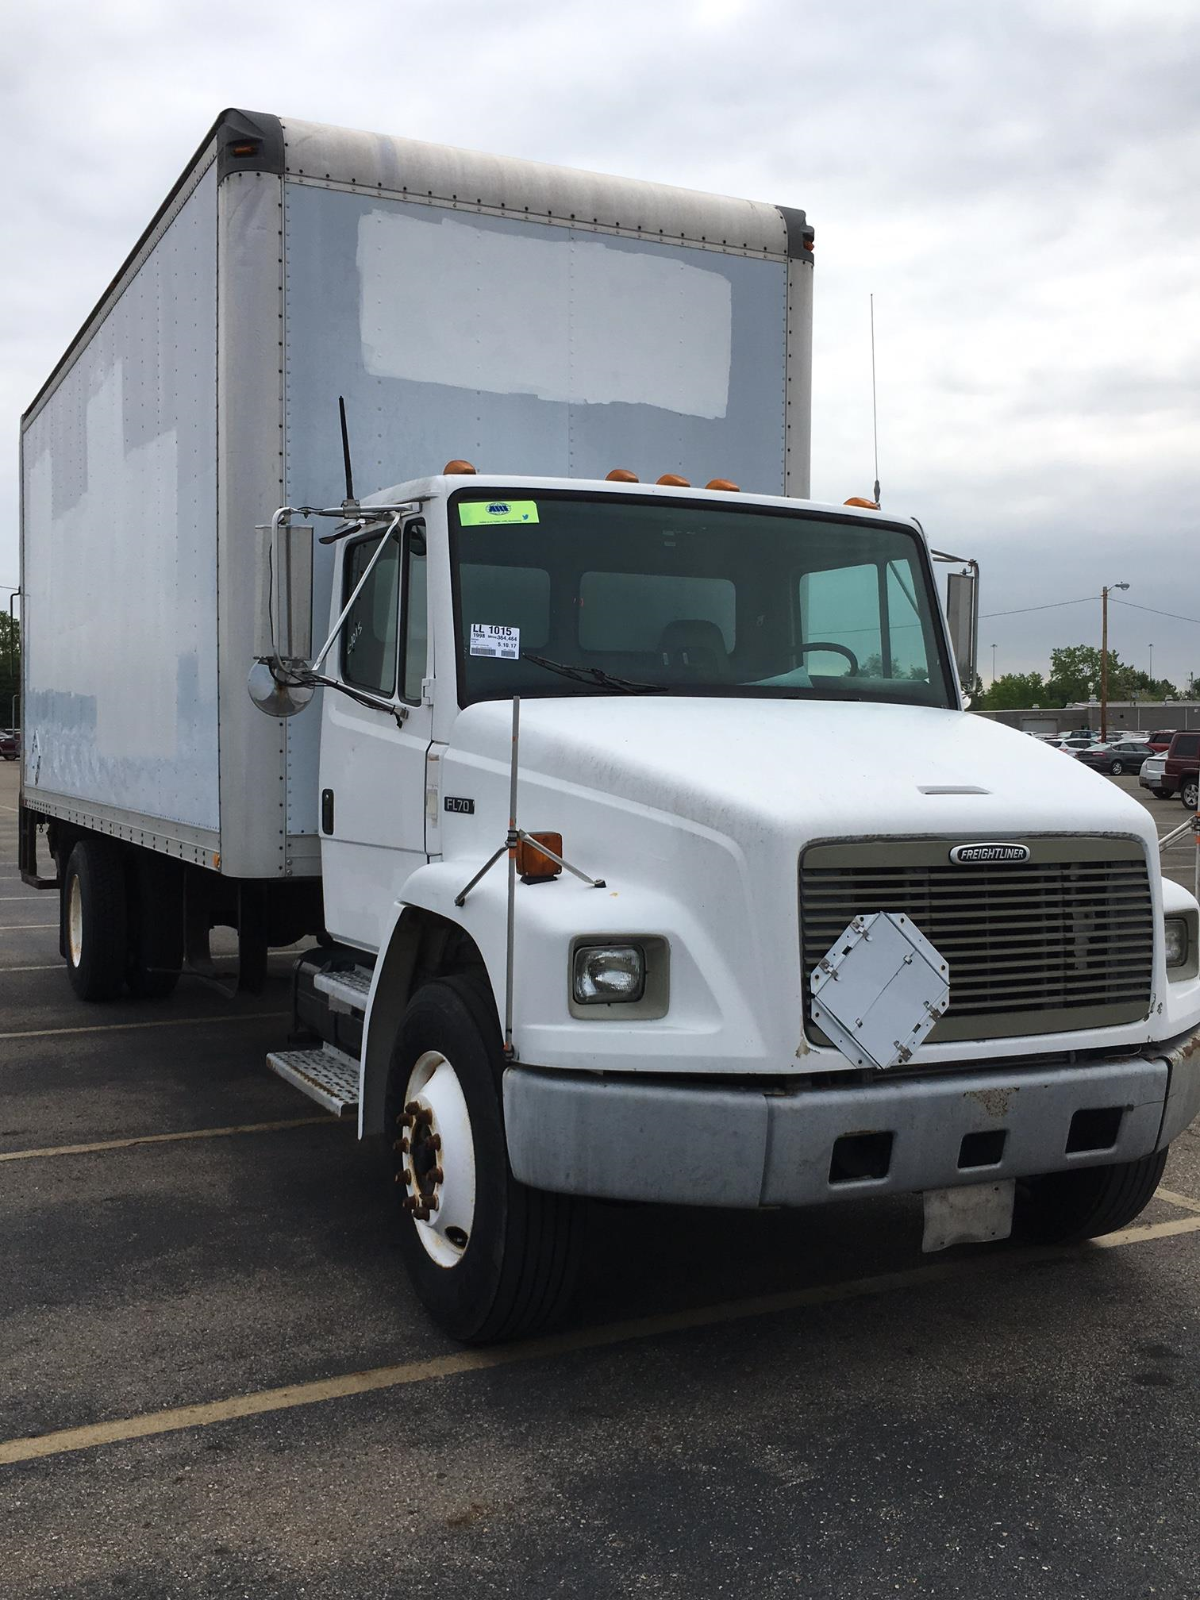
<point>479,513</point>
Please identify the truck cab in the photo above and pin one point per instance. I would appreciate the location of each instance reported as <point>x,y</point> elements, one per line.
<point>613,776</point>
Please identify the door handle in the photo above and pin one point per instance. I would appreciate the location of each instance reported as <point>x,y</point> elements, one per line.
<point>326,810</point>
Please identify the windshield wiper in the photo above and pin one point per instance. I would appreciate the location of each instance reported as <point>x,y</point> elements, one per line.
<point>596,676</point>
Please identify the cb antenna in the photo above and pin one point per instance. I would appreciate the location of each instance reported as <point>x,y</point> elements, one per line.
<point>874,408</point>
<point>349,500</point>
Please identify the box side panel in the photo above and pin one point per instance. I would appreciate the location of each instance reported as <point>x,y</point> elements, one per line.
<point>526,348</point>
<point>253,788</point>
<point>119,489</point>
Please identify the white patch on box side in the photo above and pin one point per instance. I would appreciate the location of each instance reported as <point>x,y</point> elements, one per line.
<point>562,317</point>
<point>489,639</point>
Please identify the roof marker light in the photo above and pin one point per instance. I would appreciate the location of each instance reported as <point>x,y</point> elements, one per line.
<point>857,500</point>
<point>724,485</point>
<point>621,475</point>
<point>458,469</point>
<point>672,480</point>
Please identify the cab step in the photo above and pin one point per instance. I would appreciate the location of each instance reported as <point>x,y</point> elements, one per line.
<point>348,989</point>
<point>324,1074</point>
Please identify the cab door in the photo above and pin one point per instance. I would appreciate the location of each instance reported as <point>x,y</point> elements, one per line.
<point>374,738</point>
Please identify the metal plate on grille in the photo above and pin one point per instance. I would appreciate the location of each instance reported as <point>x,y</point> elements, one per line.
<point>879,990</point>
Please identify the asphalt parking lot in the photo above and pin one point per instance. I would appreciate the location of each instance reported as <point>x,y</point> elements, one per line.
<point>214,1381</point>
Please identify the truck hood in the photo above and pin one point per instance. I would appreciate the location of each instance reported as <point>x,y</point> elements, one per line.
<point>745,767</point>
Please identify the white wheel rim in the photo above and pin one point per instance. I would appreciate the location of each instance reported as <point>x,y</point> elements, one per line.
<point>75,922</point>
<point>439,1141</point>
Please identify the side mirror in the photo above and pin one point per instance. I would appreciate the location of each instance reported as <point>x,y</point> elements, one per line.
<point>962,613</point>
<point>283,618</point>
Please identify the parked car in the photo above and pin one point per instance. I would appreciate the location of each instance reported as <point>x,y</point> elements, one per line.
<point>10,743</point>
<point>1150,776</point>
<point>1074,741</point>
<point>1119,755</point>
<point>1181,768</point>
<point>1160,740</point>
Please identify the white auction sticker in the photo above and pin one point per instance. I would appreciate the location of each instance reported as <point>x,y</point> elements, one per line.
<point>488,639</point>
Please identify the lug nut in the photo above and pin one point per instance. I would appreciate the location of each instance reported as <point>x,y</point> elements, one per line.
<point>404,1176</point>
<point>404,1120</point>
<point>434,1141</point>
<point>401,1145</point>
<point>436,1175</point>
<point>412,1108</point>
<point>424,1115</point>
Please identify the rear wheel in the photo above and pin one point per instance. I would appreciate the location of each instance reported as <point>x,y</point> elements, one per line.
<point>94,919</point>
<point>489,1258</point>
<point>1064,1207</point>
<point>1188,795</point>
<point>1117,768</point>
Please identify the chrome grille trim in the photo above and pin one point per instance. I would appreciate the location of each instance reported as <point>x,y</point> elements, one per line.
<point>1062,941</point>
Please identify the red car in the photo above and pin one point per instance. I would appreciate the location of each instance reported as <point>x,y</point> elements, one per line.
<point>1159,741</point>
<point>1181,769</point>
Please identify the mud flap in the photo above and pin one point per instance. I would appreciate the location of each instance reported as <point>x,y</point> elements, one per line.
<point>972,1213</point>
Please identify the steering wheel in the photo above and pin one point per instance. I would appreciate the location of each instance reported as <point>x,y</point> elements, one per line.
<point>818,644</point>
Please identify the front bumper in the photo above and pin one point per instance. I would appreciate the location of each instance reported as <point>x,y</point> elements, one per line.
<point>689,1143</point>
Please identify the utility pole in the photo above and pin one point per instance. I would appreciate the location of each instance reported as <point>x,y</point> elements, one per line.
<point>993,663</point>
<point>1104,656</point>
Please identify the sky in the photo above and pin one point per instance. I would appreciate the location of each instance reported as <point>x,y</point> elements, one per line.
<point>1017,184</point>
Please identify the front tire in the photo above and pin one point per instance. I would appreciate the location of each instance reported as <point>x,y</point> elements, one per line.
<point>1066,1207</point>
<point>489,1258</point>
<point>94,919</point>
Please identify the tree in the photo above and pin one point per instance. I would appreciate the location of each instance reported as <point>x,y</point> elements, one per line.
<point>1015,691</point>
<point>10,667</point>
<point>1075,673</point>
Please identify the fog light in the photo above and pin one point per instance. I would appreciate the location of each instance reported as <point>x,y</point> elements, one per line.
<point>609,973</point>
<point>1175,938</point>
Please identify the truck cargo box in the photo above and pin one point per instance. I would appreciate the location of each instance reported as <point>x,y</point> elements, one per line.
<point>529,318</point>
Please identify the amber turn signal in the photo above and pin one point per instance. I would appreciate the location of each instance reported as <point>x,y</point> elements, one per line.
<point>856,500</point>
<point>724,485</point>
<point>531,863</point>
<point>458,469</point>
<point>621,475</point>
<point>672,480</point>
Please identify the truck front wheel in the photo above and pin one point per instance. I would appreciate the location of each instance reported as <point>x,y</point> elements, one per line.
<point>489,1258</point>
<point>1065,1207</point>
<point>94,919</point>
<point>1188,794</point>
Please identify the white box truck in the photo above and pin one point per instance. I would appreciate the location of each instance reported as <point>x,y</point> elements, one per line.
<point>629,794</point>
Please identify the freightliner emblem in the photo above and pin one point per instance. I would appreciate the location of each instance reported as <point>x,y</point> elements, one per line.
<point>963,854</point>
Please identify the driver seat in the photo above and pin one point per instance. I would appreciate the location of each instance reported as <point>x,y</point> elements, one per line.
<point>694,646</point>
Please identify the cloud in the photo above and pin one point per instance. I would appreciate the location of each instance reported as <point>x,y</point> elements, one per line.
<point>1017,183</point>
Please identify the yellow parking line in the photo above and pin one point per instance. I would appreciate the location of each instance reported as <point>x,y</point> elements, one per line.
<point>1174,1199</point>
<point>41,1151</point>
<point>292,1395</point>
<point>159,1022</point>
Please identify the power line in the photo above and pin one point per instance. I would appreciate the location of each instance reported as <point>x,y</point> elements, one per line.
<point>1156,612</point>
<point>1053,606</point>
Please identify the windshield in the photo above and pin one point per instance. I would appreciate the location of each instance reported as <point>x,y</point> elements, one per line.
<point>570,594</point>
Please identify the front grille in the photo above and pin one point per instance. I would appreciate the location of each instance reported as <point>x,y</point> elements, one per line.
<point>1064,940</point>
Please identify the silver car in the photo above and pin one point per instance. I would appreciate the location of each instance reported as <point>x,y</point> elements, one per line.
<point>1150,775</point>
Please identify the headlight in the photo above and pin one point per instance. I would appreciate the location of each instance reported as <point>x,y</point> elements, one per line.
<point>608,973</point>
<point>1175,938</point>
